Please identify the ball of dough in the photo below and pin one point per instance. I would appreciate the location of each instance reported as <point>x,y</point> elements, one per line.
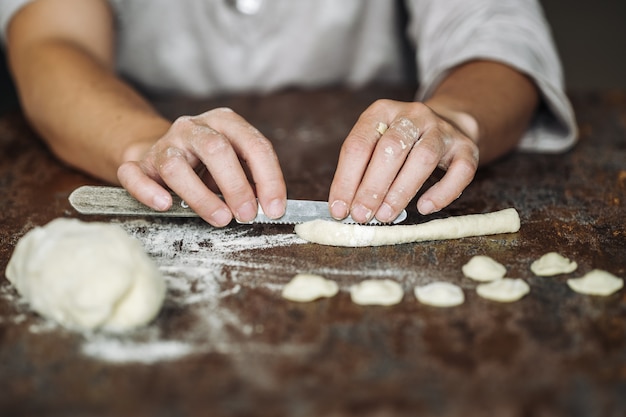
<point>483,268</point>
<point>596,282</point>
<point>376,292</point>
<point>440,294</point>
<point>551,264</point>
<point>309,287</point>
<point>86,275</point>
<point>504,290</point>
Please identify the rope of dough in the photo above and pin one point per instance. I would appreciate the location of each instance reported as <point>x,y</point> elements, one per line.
<point>331,233</point>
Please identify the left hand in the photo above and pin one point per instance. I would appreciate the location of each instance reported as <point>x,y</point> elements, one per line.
<point>378,175</point>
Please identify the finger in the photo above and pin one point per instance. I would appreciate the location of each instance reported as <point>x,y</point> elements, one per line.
<point>259,159</point>
<point>418,168</point>
<point>200,143</point>
<point>458,176</point>
<point>142,187</point>
<point>263,167</point>
<point>354,158</point>
<point>389,157</point>
<point>217,154</point>
<point>208,180</point>
<point>180,177</point>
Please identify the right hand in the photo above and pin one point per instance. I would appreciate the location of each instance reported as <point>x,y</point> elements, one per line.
<point>200,156</point>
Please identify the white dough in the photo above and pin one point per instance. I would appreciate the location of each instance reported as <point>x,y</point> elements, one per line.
<point>440,294</point>
<point>596,282</point>
<point>381,128</point>
<point>483,268</point>
<point>504,290</point>
<point>309,287</point>
<point>354,235</point>
<point>378,292</point>
<point>86,275</point>
<point>551,264</point>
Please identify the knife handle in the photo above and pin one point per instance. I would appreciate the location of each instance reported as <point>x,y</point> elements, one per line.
<point>90,199</point>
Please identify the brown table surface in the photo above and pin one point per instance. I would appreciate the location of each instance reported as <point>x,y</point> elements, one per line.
<point>227,344</point>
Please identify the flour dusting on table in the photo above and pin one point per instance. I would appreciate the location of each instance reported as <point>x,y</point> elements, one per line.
<point>193,258</point>
<point>203,268</point>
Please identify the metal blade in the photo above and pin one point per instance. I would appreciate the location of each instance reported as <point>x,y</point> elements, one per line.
<point>116,201</point>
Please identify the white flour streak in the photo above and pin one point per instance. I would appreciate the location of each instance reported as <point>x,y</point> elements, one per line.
<point>119,351</point>
<point>205,270</point>
<point>202,266</point>
<point>230,292</point>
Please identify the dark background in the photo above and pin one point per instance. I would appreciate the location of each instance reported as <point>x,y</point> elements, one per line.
<point>590,37</point>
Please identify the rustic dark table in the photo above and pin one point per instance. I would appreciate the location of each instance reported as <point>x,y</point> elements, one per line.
<point>226,343</point>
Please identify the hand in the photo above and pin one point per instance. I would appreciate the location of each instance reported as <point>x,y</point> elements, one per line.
<point>378,174</point>
<point>199,156</point>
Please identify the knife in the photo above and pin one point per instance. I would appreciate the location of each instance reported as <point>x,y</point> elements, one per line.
<point>116,201</point>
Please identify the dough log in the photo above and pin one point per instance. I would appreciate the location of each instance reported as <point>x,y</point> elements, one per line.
<point>352,235</point>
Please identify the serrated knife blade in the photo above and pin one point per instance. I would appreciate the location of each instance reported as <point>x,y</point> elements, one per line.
<point>116,201</point>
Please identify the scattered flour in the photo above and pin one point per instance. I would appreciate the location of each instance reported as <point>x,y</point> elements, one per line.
<point>202,267</point>
<point>121,351</point>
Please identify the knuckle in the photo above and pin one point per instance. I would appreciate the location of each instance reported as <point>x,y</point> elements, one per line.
<point>125,169</point>
<point>356,144</point>
<point>404,131</point>
<point>393,146</point>
<point>398,199</point>
<point>183,124</point>
<point>260,145</point>
<point>466,167</point>
<point>467,156</point>
<point>418,110</point>
<point>220,110</point>
<point>427,155</point>
<point>380,104</point>
<point>215,144</point>
<point>170,161</point>
<point>474,154</point>
<point>218,114</point>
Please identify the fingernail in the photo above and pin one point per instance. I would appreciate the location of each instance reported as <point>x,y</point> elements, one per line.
<point>246,212</point>
<point>339,209</point>
<point>160,202</point>
<point>275,209</point>
<point>221,217</point>
<point>361,214</point>
<point>385,213</point>
<point>426,207</point>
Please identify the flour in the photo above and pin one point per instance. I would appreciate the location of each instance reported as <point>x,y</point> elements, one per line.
<point>193,257</point>
<point>204,269</point>
<point>120,351</point>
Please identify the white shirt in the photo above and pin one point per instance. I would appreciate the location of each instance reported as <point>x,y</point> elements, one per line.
<point>210,47</point>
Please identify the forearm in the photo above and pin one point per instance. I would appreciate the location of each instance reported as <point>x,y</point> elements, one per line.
<point>89,118</point>
<point>490,102</point>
